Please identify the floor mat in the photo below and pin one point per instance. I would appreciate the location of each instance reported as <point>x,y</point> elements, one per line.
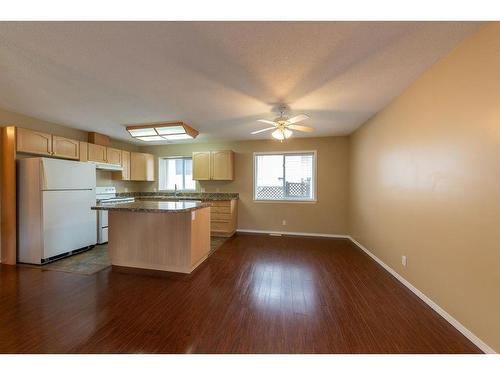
<point>86,263</point>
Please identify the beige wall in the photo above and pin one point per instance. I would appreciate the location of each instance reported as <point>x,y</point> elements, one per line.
<point>425,182</point>
<point>328,215</point>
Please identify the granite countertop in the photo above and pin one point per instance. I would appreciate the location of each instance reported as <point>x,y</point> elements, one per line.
<point>153,206</point>
<point>180,196</point>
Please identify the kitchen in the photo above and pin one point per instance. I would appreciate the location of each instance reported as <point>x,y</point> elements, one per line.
<point>99,162</point>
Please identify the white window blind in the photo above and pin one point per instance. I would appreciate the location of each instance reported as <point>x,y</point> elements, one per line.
<point>176,171</point>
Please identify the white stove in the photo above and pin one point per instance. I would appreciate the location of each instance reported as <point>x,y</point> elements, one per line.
<point>106,195</point>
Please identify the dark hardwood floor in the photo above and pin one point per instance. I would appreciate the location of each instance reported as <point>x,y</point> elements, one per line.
<point>256,294</point>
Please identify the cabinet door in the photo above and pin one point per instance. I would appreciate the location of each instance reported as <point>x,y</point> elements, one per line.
<point>141,167</point>
<point>34,142</point>
<point>65,147</point>
<point>126,165</point>
<point>150,167</point>
<point>201,165</point>
<point>84,151</point>
<point>124,174</point>
<point>222,165</point>
<point>96,153</point>
<point>113,156</point>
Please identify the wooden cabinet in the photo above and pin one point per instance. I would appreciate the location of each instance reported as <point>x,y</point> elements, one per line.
<point>201,165</point>
<point>96,153</point>
<point>84,151</point>
<point>124,174</point>
<point>213,165</point>
<point>33,142</point>
<point>222,165</point>
<point>113,156</point>
<point>142,167</point>
<point>223,217</point>
<point>65,148</point>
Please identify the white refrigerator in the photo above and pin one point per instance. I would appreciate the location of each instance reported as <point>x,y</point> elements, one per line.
<point>54,215</point>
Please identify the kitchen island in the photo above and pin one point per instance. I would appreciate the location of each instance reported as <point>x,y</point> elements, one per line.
<point>169,236</point>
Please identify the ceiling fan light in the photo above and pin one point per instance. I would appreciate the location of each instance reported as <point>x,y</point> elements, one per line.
<point>278,134</point>
<point>287,133</point>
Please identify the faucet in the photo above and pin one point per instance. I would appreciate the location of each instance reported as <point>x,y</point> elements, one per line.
<point>175,191</point>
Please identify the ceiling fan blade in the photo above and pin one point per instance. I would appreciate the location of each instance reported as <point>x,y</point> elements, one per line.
<point>267,122</point>
<point>301,128</point>
<point>298,118</point>
<point>263,130</point>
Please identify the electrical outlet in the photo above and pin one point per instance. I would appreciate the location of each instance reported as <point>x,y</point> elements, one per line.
<point>283,222</point>
<point>404,260</point>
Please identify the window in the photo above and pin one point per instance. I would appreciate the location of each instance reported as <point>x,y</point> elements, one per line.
<point>286,176</point>
<point>176,171</point>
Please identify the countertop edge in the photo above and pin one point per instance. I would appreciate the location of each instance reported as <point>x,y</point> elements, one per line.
<point>150,210</point>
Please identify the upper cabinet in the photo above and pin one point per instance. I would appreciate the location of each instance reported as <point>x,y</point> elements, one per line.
<point>124,174</point>
<point>33,142</point>
<point>201,165</point>
<point>96,153</point>
<point>137,166</point>
<point>142,167</point>
<point>84,151</point>
<point>65,148</point>
<point>222,165</point>
<point>113,156</point>
<point>213,165</point>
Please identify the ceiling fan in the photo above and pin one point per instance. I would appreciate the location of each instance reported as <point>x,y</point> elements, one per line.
<point>283,126</point>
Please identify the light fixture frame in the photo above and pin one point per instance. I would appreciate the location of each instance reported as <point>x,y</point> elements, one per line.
<point>165,124</point>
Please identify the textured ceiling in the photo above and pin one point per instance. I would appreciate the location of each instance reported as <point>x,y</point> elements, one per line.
<point>220,77</point>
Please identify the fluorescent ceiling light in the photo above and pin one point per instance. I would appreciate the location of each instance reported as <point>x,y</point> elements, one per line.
<point>142,132</point>
<point>151,138</point>
<point>161,131</point>
<point>176,137</point>
<point>171,130</point>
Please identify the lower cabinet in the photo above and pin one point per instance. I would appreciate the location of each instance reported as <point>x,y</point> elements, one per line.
<point>223,217</point>
<point>142,167</point>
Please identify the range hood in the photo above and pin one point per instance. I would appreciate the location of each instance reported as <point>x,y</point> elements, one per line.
<point>107,166</point>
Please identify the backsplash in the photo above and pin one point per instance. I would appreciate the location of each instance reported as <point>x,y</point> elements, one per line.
<point>194,195</point>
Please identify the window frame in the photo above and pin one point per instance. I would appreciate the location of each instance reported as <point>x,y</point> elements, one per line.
<point>183,173</point>
<point>314,178</point>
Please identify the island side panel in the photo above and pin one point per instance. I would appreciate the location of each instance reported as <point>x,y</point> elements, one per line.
<point>200,236</point>
<point>150,240</point>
